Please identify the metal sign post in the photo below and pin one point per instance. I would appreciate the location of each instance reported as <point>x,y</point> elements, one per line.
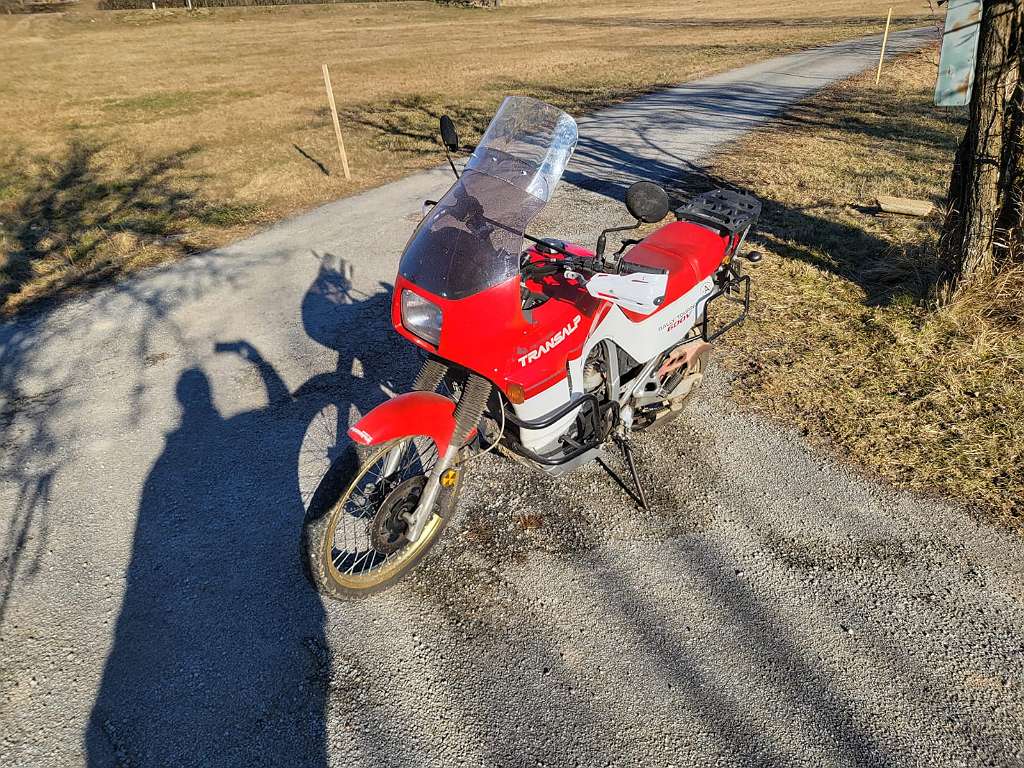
<point>959,53</point>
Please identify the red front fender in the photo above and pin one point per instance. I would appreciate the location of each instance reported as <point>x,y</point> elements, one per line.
<point>408,415</point>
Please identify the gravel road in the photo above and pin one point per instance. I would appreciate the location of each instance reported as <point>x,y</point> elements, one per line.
<point>772,608</point>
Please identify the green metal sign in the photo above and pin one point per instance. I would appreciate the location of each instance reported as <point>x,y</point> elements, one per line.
<point>959,53</point>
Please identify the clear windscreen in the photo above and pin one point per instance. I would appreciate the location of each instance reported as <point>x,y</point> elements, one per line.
<point>528,144</point>
<point>473,237</point>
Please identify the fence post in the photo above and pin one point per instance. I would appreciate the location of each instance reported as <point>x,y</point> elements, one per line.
<point>337,125</point>
<point>885,39</point>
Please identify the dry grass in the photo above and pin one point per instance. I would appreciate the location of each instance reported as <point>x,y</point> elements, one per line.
<point>226,107</point>
<point>844,341</point>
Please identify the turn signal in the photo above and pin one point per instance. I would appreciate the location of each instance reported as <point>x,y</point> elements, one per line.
<point>449,477</point>
<point>516,393</point>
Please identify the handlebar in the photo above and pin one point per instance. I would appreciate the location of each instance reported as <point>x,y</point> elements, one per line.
<point>588,264</point>
<point>569,262</point>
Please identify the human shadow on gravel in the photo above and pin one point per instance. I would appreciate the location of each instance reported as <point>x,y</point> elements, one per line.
<point>219,655</point>
<point>215,652</point>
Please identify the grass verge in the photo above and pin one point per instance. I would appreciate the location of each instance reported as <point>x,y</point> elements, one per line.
<point>843,340</point>
<point>227,108</point>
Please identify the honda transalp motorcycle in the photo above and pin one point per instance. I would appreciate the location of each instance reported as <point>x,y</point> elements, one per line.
<point>545,354</point>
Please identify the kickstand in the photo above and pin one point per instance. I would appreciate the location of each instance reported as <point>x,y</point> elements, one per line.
<point>627,453</point>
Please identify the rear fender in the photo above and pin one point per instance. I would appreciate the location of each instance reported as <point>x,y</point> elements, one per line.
<point>408,415</point>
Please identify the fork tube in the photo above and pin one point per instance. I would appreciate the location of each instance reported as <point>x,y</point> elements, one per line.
<point>467,415</point>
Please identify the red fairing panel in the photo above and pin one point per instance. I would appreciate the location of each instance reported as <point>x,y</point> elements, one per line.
<point>689,252</point>
<point>488,332</point>
<point>408,415</point>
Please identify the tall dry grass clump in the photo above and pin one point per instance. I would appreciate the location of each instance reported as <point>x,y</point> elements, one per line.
<point>847,340</point>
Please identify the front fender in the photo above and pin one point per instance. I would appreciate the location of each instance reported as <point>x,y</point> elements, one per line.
<point>408,415</point>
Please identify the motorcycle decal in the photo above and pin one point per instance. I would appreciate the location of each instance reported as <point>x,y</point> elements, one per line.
<point>551,343</point>
<point>675,322</point>
<point>364,437</point>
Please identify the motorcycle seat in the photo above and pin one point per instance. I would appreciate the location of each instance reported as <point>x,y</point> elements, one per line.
<point>688,252</point>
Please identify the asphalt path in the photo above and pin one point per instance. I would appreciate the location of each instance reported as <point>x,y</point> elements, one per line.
<point>160,436</point>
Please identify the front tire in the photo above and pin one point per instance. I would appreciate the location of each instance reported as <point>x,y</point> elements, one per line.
<point>352,543</point>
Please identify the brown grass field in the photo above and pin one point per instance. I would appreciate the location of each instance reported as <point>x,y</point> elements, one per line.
<point>845,341</point>
<point>136,137</point>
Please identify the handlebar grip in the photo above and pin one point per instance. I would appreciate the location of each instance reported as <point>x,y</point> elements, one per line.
<point>628,268</point>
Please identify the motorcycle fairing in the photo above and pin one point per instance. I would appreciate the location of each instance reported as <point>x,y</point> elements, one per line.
<point>489,334</point>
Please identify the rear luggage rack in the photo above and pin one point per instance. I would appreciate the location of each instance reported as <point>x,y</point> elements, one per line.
<point>724,210</point>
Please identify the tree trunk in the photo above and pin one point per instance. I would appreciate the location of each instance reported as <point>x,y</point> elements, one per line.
<point>983,233</point>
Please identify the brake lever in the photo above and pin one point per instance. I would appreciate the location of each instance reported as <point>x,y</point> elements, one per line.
<point>625,244</point>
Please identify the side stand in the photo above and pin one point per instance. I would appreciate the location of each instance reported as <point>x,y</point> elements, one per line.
<point>627,453</point>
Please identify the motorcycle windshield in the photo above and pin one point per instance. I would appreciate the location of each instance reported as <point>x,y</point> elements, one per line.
<point>473,238</point>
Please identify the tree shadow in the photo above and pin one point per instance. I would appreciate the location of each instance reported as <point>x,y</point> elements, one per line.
<point>219,654</point>
<point>79,220</point>
<point>30,461</point>
<point>760,641</point>
<point>408,124</point>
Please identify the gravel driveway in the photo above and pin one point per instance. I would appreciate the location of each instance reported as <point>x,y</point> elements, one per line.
<point>772,608</point>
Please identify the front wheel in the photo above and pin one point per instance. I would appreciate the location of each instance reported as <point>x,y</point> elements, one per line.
<point>353,537</point>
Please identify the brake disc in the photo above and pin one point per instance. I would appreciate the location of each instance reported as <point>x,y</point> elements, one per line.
<point>389,525</point>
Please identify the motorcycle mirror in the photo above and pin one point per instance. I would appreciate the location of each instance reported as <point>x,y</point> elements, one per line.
<point>449,136</point>
<point>647,202</point>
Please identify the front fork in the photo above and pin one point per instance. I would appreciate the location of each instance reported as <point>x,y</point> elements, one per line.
<point>468,412</point>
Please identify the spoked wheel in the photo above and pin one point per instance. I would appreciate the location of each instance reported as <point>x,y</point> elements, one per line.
<point>354,538</point>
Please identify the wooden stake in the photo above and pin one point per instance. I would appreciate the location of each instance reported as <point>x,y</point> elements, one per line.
<point>337,125</point>
<point>904,206</point>
<point>885,39</point>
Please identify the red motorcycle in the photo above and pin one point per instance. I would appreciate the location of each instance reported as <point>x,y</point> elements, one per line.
<point>545,355</point>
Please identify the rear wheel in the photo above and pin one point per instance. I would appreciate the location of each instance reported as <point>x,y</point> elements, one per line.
<point>354,537</point>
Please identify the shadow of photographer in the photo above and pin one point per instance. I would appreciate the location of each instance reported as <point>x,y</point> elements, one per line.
<point>219,654</point>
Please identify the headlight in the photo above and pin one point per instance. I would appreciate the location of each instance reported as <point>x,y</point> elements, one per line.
<point>421,317</point>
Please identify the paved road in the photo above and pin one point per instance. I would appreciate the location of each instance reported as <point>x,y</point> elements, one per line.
<point>772,609</point>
